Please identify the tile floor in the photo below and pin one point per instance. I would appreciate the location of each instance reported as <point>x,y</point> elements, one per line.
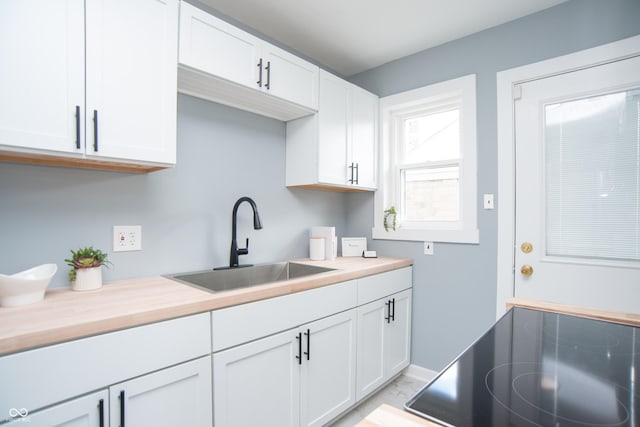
<point>397,393</point>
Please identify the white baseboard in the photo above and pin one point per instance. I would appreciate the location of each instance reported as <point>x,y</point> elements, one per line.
<point>419,373</point>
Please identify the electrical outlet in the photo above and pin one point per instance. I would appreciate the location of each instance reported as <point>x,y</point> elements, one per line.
<point>428,248</point>
<point>127,238</point>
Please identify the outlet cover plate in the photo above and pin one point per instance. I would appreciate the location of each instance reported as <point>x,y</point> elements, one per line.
<point>428,248</point>
<point>127,238</point>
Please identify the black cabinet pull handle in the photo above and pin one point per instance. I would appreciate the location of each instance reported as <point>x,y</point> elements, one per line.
<point>268,68</point>
<point>78,127</point>
<point>299,356</point>
<point>351,179</point>
<point>388,316</point>
<point>121,408</point>
<point>95,130</point>
<point>357,173</point>
<point>101,412</point>
<point>393,309</point>
<point>308,335</point>
<point>259,73</point>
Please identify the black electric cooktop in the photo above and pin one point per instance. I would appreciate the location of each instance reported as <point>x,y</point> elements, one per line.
<point>534,368</point>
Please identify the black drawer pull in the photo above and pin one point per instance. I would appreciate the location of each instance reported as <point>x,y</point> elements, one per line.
<point>387,317</point>
<point>393,309</point>
<point>95,130</point>
<point>121,408</point>
<point>299,356</point>
<point>259,73</point>
<point>308,352</point>
<point>78,127</point>
<point>101,412</point>
<point>268,68</point>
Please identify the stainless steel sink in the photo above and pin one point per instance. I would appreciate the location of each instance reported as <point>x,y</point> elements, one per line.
<point>235,278</point>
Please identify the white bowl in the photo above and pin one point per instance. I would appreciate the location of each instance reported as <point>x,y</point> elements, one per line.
<point>27,286</point>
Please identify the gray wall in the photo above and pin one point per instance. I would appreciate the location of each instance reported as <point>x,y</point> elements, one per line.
<point>455,289</point>
<point>185,212</point>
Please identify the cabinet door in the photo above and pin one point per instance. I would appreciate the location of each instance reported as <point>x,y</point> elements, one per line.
<point>87,411</point>
<point>333,129</point>
<point>364,125</point>
<point>176,396</point>
<point>289,77</point>
<point>42,73</point>
<point>328,368</point>
<point>257,384</point>
<point>371,346</point>
<point>213,46</point>
<point>398,335</point>
<point>132,79</point>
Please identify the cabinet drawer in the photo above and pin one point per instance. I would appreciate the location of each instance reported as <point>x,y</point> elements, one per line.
<point>239,324</point>
<point>45,375</point>
<point>380,285</point>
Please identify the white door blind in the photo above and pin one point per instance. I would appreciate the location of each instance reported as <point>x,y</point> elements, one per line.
<point>592,177</point>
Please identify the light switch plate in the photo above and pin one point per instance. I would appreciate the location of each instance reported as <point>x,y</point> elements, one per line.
<point>488,201</point>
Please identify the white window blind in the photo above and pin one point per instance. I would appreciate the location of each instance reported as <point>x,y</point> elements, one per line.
<point>592,177</point>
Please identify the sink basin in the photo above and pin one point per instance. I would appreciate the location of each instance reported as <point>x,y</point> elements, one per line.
<point>235,278</point>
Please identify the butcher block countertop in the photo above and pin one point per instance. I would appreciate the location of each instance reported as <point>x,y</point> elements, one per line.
<point>66,315</point>
<point>388,416</point>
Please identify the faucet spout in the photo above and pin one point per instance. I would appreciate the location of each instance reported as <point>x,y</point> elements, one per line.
<point>257,225</point>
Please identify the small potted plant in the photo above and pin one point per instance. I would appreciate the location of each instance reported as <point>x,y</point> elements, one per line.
<point>389,220</point>
<point>86,268</point>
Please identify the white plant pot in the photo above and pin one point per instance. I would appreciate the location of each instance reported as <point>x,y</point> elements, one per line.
<point>87,279</point>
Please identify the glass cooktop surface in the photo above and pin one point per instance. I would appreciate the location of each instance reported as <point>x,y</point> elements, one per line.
<point>534,368</point>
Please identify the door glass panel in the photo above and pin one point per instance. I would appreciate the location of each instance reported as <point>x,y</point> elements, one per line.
<point>592,177</point>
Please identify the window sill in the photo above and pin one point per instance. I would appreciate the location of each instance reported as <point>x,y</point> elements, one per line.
<point>416,235</point>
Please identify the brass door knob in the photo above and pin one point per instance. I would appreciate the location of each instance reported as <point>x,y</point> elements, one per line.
<point>526,270</point>
<point>526,247</point>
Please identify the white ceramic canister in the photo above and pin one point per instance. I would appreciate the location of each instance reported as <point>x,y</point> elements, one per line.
<point>316,248</point>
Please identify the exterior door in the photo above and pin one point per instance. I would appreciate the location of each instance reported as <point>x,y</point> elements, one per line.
<point>577,151</point>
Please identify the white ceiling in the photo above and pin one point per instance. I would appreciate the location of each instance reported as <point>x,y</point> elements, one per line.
<point>350,36</point>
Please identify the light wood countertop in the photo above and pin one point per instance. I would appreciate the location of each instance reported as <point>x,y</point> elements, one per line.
<point>66,315</point>
<point>389,416</point>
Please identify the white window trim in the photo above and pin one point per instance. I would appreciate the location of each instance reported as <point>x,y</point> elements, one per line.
<point>464,88</point>
<point>506,80</point>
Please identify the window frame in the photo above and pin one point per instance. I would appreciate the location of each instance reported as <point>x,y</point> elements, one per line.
<point>461,93</point>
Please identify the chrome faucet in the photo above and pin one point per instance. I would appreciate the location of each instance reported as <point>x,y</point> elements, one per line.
<point>257,225</point>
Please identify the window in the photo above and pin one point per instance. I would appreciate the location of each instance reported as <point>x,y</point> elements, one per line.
<point>428,164</point>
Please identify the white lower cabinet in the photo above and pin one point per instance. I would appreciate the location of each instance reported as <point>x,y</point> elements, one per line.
<point>301,377</point>
<point>86,411</point>
<point>162,370</point>
<point>384,336</point>
<point>180,395</point>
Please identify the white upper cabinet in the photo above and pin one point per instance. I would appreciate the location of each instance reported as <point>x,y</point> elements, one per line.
<point>215,47</point>
<point>120,109</point>
<point>131,79</point>
<point>337,147</point>
<point>221,63</point>
<point>42,76</point>
<point>289,77</point>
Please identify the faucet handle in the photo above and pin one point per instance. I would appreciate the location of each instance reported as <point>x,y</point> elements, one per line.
<point>245,250</point>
